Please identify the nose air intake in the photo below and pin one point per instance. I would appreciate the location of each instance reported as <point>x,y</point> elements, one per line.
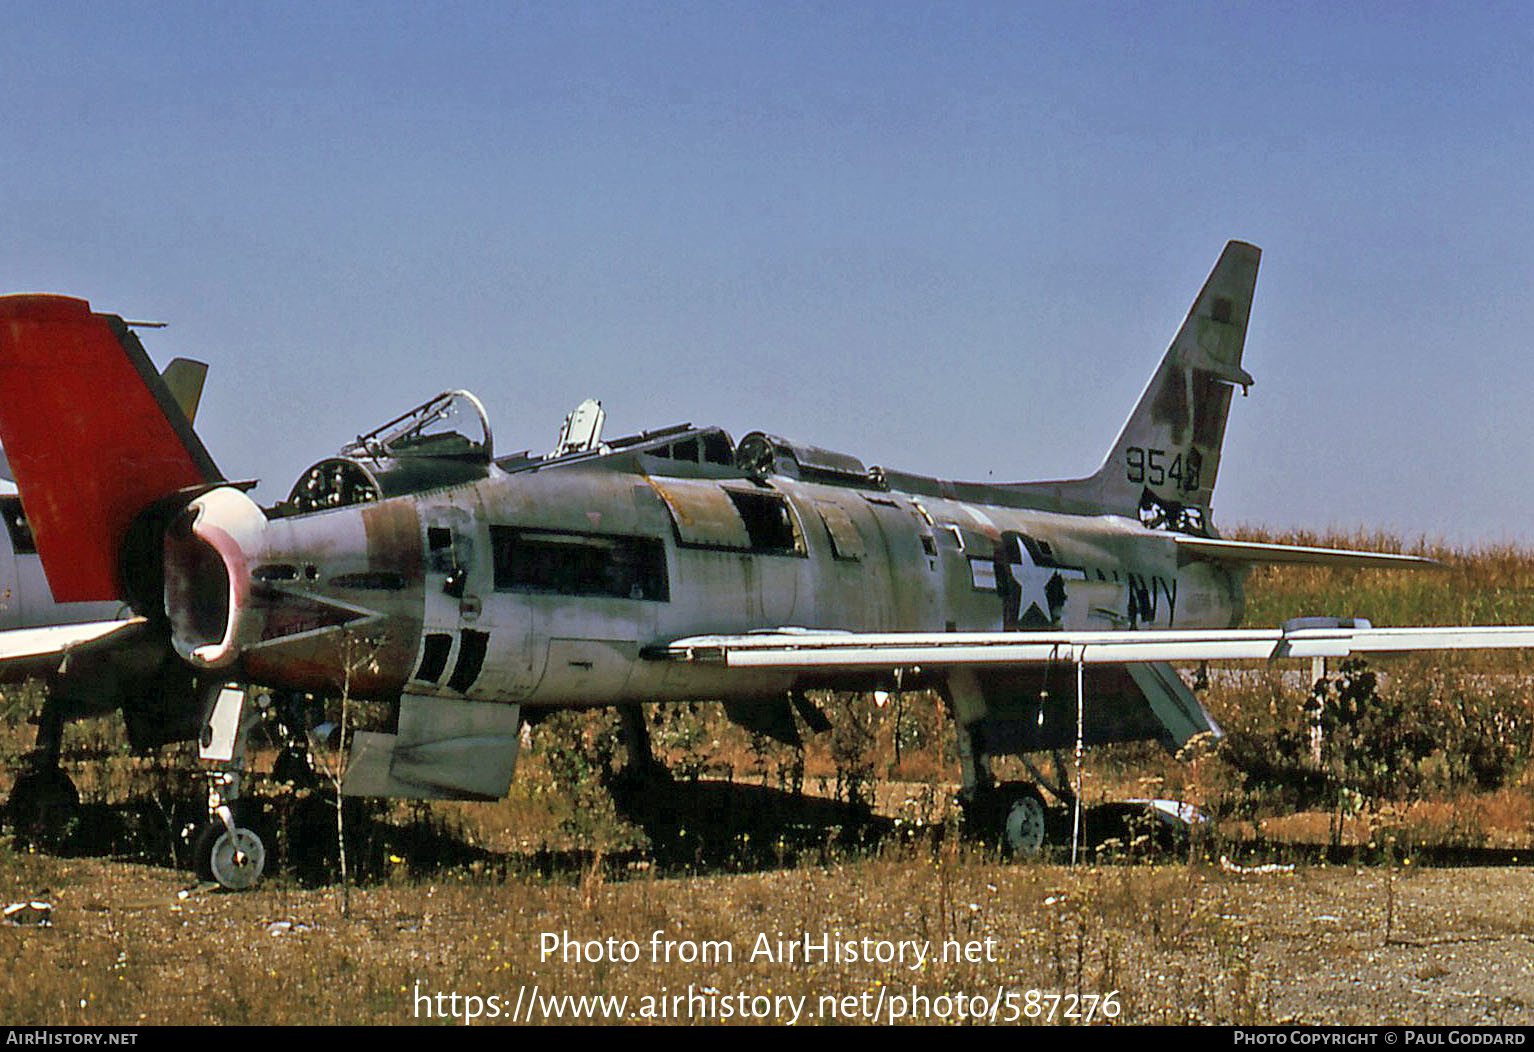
<point>208,552</point>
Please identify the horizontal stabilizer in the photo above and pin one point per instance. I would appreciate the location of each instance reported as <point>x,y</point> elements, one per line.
<point>184,379</point>
<point>1218,550</point>
<point>93,435</point>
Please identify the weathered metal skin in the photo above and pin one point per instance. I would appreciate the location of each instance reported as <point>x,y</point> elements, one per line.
<point>398,572</point>
<point>414,567</point>
<point>341,598</point>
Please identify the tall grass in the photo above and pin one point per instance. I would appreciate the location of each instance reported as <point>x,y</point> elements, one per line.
<point>1482,585</point>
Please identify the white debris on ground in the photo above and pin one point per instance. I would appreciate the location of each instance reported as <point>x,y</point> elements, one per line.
<point>35,914</point>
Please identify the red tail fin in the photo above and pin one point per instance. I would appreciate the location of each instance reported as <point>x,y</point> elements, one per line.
<point>93,436</point>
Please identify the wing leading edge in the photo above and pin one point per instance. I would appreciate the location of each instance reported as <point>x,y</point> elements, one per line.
<point>37,651</point>
<point>811,651</point>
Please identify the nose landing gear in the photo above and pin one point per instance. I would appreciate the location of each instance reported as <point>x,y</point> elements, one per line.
<point>226,848</point>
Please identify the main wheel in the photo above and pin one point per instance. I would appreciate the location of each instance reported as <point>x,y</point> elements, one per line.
<point>1024,825</point>
<point>43,807</point>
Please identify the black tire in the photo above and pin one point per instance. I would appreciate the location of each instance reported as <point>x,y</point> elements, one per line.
<point>202,847</point>
<point>44,807</point>
<point>237,864</point>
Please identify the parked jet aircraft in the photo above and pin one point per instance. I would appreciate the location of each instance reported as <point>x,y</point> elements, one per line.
<point>480,590</point>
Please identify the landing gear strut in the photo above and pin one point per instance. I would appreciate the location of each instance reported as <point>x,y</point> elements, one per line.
<point>641,766</point>
<point>226,848</point>
<point>1013,812</point>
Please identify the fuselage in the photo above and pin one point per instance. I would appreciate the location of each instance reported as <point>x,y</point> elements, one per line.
<point>544,587</point>
<point>25,599</point>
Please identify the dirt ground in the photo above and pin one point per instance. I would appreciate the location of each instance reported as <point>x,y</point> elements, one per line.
<point>1434,946</point>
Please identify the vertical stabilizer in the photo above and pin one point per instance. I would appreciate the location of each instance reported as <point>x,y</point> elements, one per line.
<point>1162,469</point>
<point>93,434</point>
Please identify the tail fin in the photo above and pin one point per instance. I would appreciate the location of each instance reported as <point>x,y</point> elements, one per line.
<point>1162,468</point>
<point>93,434</point>
<point>184,378</point>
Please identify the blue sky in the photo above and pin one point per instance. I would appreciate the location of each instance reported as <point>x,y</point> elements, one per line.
<point>947,238</point>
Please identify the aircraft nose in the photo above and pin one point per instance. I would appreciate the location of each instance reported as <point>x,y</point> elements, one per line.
<point>209,549</point>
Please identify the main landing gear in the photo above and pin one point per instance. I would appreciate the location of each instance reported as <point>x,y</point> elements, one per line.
<point>43,806</point>
<point>1013,814</point>
<point>1024,828</point>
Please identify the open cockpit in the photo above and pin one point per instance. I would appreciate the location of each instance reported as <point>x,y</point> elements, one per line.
<point>446,441</point>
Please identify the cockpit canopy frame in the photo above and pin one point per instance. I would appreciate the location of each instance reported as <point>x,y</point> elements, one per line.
<point>417,432</point>
<point>444,441</point>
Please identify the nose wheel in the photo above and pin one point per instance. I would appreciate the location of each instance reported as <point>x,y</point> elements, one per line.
<point>232,854</point>
<point>226,848</point>
<point>236,860</point>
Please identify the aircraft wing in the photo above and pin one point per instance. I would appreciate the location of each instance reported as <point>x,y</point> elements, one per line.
<point>1221,550</point>
<point>37,651</point>
<point>824,651</point>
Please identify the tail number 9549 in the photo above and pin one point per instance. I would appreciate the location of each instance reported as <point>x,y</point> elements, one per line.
<point>1157,467</point>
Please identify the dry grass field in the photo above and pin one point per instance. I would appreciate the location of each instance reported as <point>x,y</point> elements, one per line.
<point>1387,883</point>
<point>1125,943</point>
